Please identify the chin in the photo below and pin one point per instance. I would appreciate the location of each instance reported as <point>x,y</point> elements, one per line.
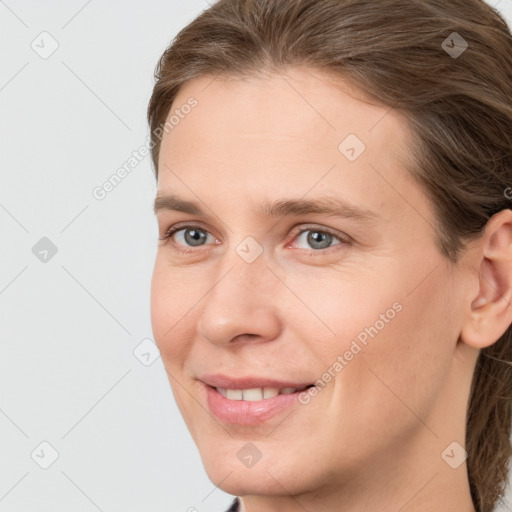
<point>246,482</point>
<point>270,476</point>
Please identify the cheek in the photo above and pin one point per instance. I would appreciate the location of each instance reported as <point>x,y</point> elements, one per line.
<point>173,297</point>
<point>404,368</point>
<point>338,308</point>
<point>397,346</point>
<point>422,340</point>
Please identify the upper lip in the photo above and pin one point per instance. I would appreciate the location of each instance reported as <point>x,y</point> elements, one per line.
<point>223,381</point>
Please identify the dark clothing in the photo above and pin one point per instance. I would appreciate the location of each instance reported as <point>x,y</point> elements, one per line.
<point>235,506</point>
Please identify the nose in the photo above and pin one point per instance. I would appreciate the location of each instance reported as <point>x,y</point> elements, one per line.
<point>241,304</point>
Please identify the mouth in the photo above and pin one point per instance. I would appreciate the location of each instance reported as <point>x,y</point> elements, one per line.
<point>249,401</point>
<point>257,394</point>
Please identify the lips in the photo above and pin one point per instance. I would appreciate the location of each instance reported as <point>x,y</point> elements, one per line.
<point>224,382</point>
<point>249,400</point>
<point>255,394</point>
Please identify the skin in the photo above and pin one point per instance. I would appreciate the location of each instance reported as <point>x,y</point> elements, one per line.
<point>372,438</point>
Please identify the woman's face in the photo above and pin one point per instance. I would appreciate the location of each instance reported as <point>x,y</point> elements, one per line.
<point>259,288</point>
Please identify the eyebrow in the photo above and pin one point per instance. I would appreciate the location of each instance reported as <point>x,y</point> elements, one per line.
<point>323,205</point>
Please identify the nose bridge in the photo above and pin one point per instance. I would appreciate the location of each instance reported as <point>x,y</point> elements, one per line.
<point>240,300</point>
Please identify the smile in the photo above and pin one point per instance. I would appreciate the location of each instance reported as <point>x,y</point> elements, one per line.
<point>256,394</point>
<point>249,400</point>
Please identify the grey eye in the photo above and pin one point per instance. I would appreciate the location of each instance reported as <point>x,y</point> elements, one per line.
<point>193,236</point>
<point>317,239</point>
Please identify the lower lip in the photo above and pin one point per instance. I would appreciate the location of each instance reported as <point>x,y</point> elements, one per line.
<point>243,412</point>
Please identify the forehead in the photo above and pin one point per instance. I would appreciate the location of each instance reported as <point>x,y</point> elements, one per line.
<point>298,103</point>
<point>286,129</point>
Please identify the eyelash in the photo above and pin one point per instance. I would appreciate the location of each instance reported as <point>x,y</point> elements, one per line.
<point>312,252</point>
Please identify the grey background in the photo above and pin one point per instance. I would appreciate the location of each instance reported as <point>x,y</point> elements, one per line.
<point>71,321</point>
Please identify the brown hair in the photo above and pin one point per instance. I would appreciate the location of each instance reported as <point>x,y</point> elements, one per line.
<point>458,108</point>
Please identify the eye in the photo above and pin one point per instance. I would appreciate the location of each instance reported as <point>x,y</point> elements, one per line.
<point>310,239</point>
<point>317,239</point>
<point>188,236</point>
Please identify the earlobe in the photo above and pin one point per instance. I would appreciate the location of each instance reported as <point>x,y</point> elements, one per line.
<point>490,312</point>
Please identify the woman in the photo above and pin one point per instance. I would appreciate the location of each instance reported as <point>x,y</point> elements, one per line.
<point>331,293</point>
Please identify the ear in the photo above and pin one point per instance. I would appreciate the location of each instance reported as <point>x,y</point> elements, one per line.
<point>491,309</point>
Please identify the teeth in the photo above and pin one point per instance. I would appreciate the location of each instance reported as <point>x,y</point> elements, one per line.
<point>270,392</point>
<point>234,394</point>
<point>254,394</point>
